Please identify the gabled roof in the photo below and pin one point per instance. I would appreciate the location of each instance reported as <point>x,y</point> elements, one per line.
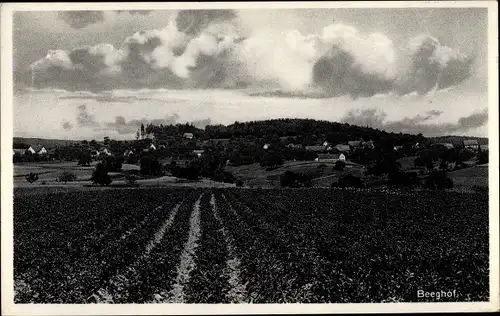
<point>37,148</point>
<point>315,148</point>
<point>327,156</point>
<point>470,142</point>
<point>341,147</point>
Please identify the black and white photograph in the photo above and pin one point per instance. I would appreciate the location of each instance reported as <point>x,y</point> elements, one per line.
<point>328,154</point>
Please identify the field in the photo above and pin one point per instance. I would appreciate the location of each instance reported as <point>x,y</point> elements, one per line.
<point>213,245</point>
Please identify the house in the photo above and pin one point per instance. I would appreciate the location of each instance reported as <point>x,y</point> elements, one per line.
<point>326,157</point>
<point>342,157</point>
<point>152,147</point>
<point>471,144</point>
<point>37,149</point>
<point>316,148</point>
<point>128,152</point>
<point>325,143</point>
<point>484,147</point>
<point>447,145</point>
<point>19,151</point>
<point>266,146</point>
<point>294,146</point>
<point>94,154</point>
<point>343,148</point>
<point>198,153</point>
<point>105,151</point>
<point>188,135</point>
<point>397,148</point>
<point>162,146</point>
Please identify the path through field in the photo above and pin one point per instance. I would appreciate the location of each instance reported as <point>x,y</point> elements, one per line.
<point>186,245</point>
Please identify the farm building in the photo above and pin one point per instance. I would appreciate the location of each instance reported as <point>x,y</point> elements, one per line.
<point>38,149</point>
<point>19,151</point>
<point>368,144</point>
<point>342,157</point>
<point>398,148</point>
<point>198,153</point>
<point>471,144</point>
<point>266,146</point>
<point>326,157</point>
<point>316,148</point>
<point>152,147</point>
<point>343,148</point>
<point>325,143</point>
<point>484,147</point>
<point>188,135</point>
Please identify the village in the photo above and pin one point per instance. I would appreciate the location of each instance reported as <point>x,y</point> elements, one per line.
<point>189,157</point>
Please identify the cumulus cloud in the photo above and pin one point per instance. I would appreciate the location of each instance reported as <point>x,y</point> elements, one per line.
<point>67,125</point>
<point>84,118</point>
<point>418,124</point>
<point>206,49</point>
<point>81,19</point>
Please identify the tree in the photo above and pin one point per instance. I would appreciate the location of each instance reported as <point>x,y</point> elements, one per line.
<point>482,157</point>
<point>271,160</point>
<point>31,177</point>
<point>150,166</point>
<point>339,165</point>
<point>100,175</point>
<point>106,140</point>
<point>295,180</point>
<point>66,177</point>
<point>113,163</point>
<point>131,179</point>
<point>239,183</point>
<point>85,159</point>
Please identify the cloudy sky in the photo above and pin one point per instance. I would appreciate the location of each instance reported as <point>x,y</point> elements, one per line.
<point>90,74</point>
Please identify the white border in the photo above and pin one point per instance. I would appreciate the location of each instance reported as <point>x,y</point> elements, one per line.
<point>8,308</point>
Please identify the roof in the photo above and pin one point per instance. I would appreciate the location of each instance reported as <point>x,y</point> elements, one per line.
<point>485,146</point>
<point>198,151</point>
<point>447,145</point>
<point>19,151</point>
<point>188,134</point>
<point>316,148</point>
<point>354,143</point>
<point>469,142</point>
<point>327,156</point>
<point>37,148</point>
<point>342,147</point>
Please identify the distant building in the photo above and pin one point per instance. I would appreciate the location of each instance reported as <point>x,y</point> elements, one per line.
<point>484,147</point>
<point>326,157</point>
<point>19,151</point>
<point>152,147</point>
<point>105,151</point>
<point>188,135</point>
<point>343,148</point>
<point>198,153</point>
<point>447,145</point>
<point>294,146</point>
<point>316,148</point>
<point>471,144</point>
<point>397,148</point>
<point>368,144</point>
<point>342,157</point>
<point>128,152</point>
<point>266,146</point>
<point>37,149</point>
<point>325,143</point>
<point>31,150</point>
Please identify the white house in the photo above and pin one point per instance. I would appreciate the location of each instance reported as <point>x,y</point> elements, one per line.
<point>325,143</point>
<point>343,148</point>
<point>152,147</point>
<point>266,146</point>
<point>188,135</point>
<point>342,157</point>
<point>31,150</point>
<point>128,152</point>
<point>106,152</point>
<point>198,153</point>
<point>471,144</point>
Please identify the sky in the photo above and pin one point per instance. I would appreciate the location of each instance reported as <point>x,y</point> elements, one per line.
<point>90,74</point>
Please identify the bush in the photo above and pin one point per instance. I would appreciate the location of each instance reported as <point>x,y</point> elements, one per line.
<point>113,164</point>
<point>482,157</point>
<point>406,179</point>
<point>295,180</point>
<point>339,165</point>
<point>67,176</point>
<point>85,159</point>
<point>190,173</point>
<point>100,175</point>
<point>439,179</point>
<point>131,179</point>
<point>239,183</point>
<point>151,166</point>
<point>31,177</point>
<point>221,175</point>
<point>349,181</point>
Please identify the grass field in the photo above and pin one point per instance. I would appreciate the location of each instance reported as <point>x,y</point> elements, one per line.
<point>185,245</point>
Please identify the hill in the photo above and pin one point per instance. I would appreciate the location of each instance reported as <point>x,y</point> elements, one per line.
<point>19,142</point>
<point>457,140</point>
